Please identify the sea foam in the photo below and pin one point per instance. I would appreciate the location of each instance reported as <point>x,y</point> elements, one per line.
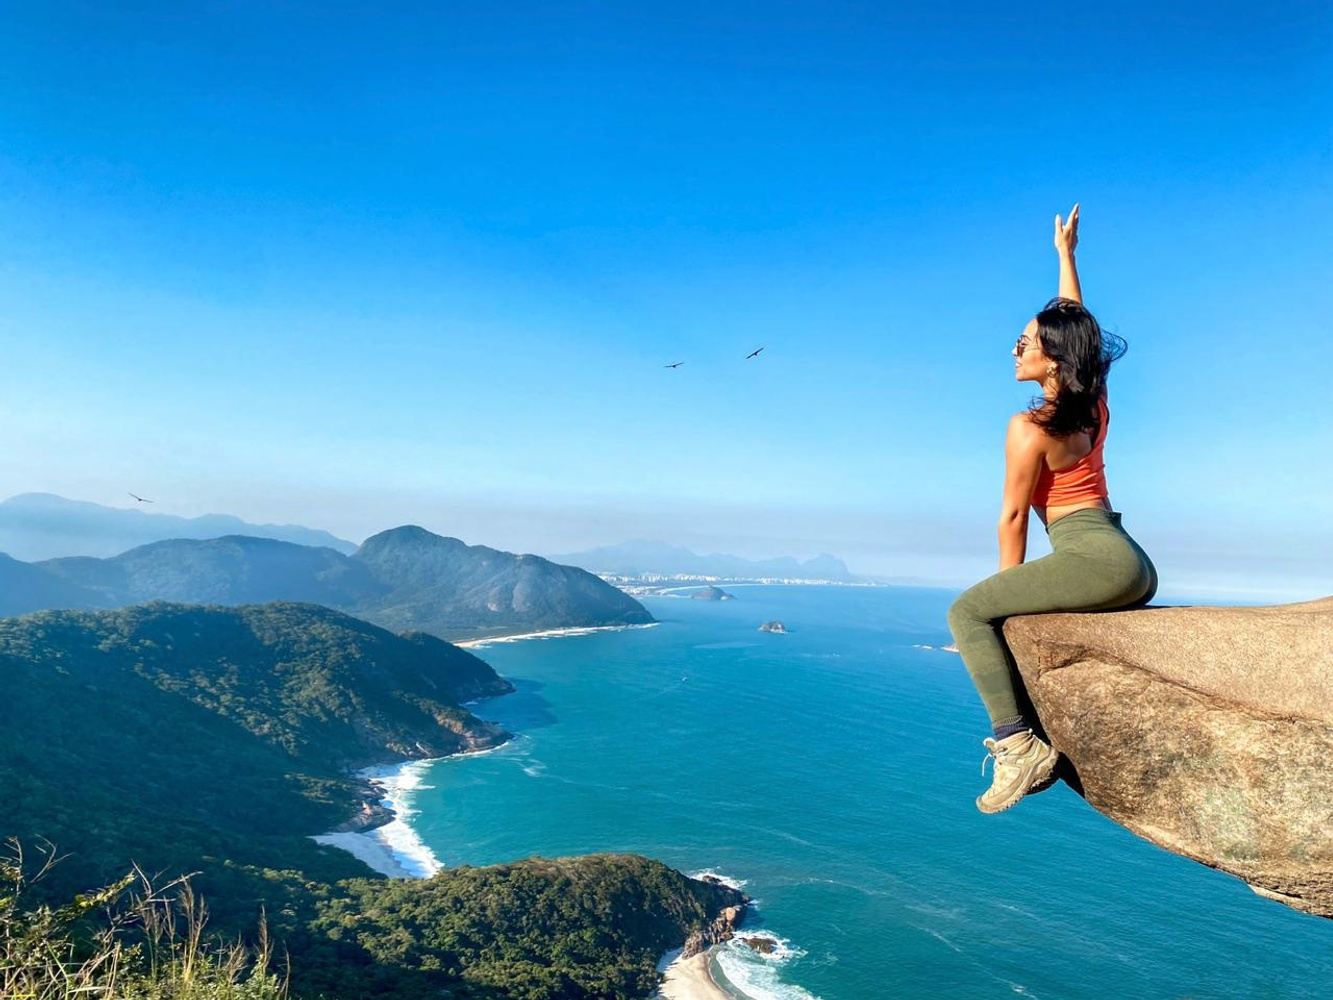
<point>398,783</point>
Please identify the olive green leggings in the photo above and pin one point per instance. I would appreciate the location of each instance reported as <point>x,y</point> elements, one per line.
<point>1094,566</point>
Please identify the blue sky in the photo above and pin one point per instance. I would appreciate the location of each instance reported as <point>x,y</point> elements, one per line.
<point>355,269</point>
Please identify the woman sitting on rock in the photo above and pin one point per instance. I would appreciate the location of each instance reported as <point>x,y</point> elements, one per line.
<point>1053,463</point>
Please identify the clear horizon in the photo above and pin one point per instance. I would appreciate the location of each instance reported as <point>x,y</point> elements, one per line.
<point>312,266</point>
<point>1181,586</point>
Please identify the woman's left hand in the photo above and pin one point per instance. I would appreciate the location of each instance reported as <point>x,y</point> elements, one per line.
<point>1066,236</point>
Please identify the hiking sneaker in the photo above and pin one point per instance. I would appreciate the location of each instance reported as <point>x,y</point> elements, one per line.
<point>1022,762</point>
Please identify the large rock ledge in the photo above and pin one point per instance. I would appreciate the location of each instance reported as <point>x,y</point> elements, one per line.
<point>1206,730</point>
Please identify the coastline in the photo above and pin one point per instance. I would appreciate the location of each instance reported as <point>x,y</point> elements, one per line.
<point>389,845</point>
<point>550,633</point>
<point>688,978</point>
<point>394,849</point>
<point>387,842</point>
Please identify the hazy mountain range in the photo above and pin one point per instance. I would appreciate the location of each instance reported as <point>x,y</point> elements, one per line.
<point>45,526</point>
<point>405,578</point>
<point>640,557</point>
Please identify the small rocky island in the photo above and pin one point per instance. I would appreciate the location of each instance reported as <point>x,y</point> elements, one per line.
<point>712,594</point>
<point>774,626</point>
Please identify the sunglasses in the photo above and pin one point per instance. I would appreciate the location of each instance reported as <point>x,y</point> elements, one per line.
<point>1022,346</point>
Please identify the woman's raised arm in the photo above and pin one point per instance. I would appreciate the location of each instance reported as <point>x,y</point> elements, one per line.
<point>1066,239</point>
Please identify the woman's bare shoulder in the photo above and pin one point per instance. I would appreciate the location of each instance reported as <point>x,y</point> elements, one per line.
<point>1026,421</point>
<point>1022,428</point>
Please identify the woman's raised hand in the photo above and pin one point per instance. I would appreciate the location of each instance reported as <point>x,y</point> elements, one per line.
<point>1066,235</point>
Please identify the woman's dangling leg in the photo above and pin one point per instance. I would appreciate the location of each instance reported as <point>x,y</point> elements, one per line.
<point>1096,565</point>
<point>976,618</point>
<point>1093,568</point>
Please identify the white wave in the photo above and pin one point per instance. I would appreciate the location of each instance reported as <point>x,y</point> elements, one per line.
<point>395,848</point>
<point>534,769</point>
<point>781,950</point>
<point>398,782</point>
<point>746,971</point>
<point>755,974</point>
<point>942,939</point>
<point>938,910</point>
<point>727,880</point>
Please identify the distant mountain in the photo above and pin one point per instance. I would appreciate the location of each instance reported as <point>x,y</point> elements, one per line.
<point>234,569</point>
<point>638,558</point>
<point>404,579</point>
<point>46,526</point>
<point>24,588</point>
<point>446,587</point>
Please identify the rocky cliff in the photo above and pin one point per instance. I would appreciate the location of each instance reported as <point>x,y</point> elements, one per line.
<point>1206,730</point>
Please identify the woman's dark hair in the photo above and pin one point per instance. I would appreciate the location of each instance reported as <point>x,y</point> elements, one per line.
<point>1083,351</point>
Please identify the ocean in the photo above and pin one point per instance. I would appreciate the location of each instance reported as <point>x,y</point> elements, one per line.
<point>831,772</point>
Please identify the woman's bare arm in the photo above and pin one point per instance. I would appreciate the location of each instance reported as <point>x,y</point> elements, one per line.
<point>1066,239</point>
<point>1022,465</point>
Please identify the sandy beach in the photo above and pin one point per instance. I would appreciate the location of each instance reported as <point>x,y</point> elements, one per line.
<point>688,979</point>
<point>366,848</point>
<point>553,633</point>
<point>392,848</point>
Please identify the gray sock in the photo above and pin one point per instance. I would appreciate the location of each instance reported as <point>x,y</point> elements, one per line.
<point>1010,726</point>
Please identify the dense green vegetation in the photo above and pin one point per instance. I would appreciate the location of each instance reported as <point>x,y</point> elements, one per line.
<point>167,734</point>
<point>215,740</point>
<point>25,587</point>
<point>234,569</point>
<point>405,578</point>
<point>591,926</point>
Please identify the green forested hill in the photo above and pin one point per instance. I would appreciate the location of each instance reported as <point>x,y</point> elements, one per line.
<point>446,587</point>
<point>166,733</point>
<point>217,740</point>
<point>25,587</point>
<point>234,569</point>
<point>590,926</point>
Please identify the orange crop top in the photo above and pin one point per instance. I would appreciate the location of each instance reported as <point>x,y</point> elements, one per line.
<point>1084,480</point>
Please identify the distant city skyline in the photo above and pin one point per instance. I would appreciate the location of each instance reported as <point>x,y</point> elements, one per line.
<point>349,271</point>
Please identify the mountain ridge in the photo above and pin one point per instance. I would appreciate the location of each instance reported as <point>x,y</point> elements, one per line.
<point>38,526</point>
<point>404,578</point>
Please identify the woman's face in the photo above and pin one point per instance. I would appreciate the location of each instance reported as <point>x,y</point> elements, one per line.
<point>1030,364</point>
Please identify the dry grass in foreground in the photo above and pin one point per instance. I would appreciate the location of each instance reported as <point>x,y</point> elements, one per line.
<point>127,941</point>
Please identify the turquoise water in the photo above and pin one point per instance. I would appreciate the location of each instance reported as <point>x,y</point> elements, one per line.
<point>833,771</point>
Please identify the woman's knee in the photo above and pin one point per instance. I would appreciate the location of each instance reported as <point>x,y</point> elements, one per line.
<point>962,611</point>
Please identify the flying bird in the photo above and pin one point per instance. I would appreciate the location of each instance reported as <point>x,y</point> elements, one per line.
<point>753,354</point>
<point>676,365</point>
<point>140,499</point>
